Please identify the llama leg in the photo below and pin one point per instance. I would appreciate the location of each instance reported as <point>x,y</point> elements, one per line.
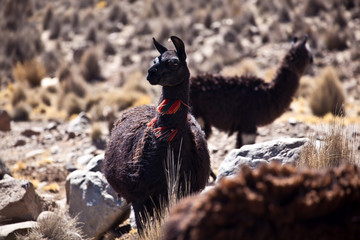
<point>140,217</point>
<point>239,141</point>
<point>249,135</point>
<point>207,129</point>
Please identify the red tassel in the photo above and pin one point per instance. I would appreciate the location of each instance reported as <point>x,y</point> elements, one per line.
<point>168,106</point>
<point>152,122</point>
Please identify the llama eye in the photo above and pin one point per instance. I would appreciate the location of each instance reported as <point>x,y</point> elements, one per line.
<point>173,63</point>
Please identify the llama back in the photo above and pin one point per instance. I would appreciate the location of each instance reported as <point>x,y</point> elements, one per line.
<point>235,98</point>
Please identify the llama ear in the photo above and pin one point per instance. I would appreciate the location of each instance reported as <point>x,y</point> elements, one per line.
<point>304,40</point>
<point>180,47</point>
<point>159,47</point>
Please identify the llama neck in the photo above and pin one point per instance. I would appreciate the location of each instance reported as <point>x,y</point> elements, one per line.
<point>285,83</point>
<point>172,112</point>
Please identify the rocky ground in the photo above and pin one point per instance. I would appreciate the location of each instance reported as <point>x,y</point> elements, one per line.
<point>47,143</point>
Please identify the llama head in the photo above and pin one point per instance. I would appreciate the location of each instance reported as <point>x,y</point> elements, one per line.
<point>170,68</point>
<point>300,54</point>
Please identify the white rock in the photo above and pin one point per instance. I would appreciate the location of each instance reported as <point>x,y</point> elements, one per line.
<point>91,198</point>
<point>285,150</point>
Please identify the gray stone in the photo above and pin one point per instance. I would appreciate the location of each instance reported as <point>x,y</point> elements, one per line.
<point>19,201</point>
<point>95,164</point>
<point>94,202</point>
<point>84,159</point>
<point>285,150</point>
<point>5,121</point>
<point>10,231</point>
<point>79,124</point>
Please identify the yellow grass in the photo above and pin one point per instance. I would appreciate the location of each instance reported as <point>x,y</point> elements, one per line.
<point>52,187</point>
<point>31,72</point>
<point>337,147</point>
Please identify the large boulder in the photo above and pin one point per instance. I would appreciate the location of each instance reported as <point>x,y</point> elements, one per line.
<point>5,121</point>
<point>94,202</point>
<point>19,201</point>
<point>285,150</point>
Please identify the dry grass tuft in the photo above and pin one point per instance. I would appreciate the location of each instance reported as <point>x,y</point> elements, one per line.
<point>21,112</point>
<point>335,39</point>
<point>90,68</point>
<point>56,226</point>
<point>305,88</point>
<point>70,103</point>
<point>70,84</point>
<point>52,187</point>
<point>48,17</point>
<point>328,95</point>
<point>245,67</point>
<point>96,133</point>
<point>314,7</point>
<point>55,29</point>
<point>18,95</point>
<point>30,71</point>
<point>336,148</point>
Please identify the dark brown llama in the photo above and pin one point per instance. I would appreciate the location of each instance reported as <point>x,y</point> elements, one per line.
<point>273,202</point>
<point>138,147</point>
<point>241,104</point>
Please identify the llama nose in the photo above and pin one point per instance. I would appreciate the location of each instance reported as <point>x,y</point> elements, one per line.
<point>152,70</point>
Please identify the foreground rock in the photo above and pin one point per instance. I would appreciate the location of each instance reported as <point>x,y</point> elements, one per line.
<point>286,150</point>
<point>19,202</point>
<point>10,231</point>
<point>273,202</point>
<point>91,198</point>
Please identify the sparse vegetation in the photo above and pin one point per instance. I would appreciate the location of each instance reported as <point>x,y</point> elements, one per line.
<point>70,103</point>
<point>335,148</point>
<point>96,133</point>
<point>31,72</point>
<point>21,112</point>
<point>90,67</point>
<point>18,94</point>
<point>55,225</point>
<point>328,95</point>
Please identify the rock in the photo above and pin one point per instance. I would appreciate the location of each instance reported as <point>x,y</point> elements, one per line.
<point>5,121</point>
<point>19,143</point>
<point>52,126</point>
<point>10,231</point>
<point>95,164</point>
<point>19,202</point>
<point>4,169</point>
<point>79,124</point>
<point>30,132</point>
<point>34,153</point>
<point>85,159</point>
<point>285,150</point>
<point>49,82</point>
<point>91,198</point>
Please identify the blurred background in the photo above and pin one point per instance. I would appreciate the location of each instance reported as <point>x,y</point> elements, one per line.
<point>59,58</point>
